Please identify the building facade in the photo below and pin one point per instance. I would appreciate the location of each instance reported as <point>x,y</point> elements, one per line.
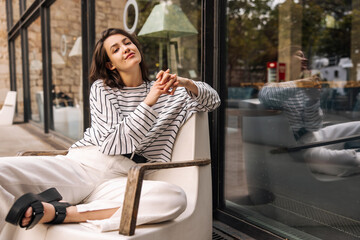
<point>269,180</point>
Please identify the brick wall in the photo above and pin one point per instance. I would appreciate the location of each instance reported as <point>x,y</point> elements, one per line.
<point>4,56</point>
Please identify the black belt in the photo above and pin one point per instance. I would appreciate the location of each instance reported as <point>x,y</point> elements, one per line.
<point>136,158</point>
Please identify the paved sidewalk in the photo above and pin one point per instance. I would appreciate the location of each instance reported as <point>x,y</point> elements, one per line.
<point>23,137</point>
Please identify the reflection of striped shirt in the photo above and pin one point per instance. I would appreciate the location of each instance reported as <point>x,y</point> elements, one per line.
<point>303,112</point>
<point>122,123</point>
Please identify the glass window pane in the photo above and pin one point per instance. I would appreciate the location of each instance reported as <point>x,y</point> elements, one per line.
<point>36,72</point>
<point>15,10</point>
<point>292,106</point>
<point>67,101</point>
<point>19,80</point>
<point>174,46</point>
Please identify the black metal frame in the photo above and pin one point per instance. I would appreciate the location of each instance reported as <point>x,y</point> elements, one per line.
<point>11,45</point>
<point>22,6</point>
<point>88,41</point>
<point>41,8</point>
<point>25,68</point>
<point>217,132</point>
<point>9,15</point>
<point>47,74</point>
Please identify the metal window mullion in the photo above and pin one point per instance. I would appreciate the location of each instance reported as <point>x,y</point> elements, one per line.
<point>12,64</point>
<point>22,7</point>
<point>88,42</point>
<point>26,74</point>
<point>208,71</point>
<point>47,75</point>
<point>207,41</point>
<point>25,20</point>
<point>217,131</point>
<point>9,15</point>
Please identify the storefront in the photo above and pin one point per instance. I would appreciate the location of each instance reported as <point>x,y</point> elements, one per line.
<point>268,180</point>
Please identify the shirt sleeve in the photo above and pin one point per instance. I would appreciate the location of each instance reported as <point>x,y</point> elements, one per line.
<point>207,99</point>
<point>275,94</point>
<point>313,115</point>
<point>113,133</point>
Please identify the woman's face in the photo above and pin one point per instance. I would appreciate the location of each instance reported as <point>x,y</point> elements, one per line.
<point>301,60</point>
<point>122,52</point>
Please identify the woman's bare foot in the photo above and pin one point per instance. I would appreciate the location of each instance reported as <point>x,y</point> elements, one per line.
<point>49,214</point>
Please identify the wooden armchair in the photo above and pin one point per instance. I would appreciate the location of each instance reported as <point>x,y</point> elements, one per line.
<point>190,169</point>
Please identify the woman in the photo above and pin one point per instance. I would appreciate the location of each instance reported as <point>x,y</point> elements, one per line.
<point>132,120</point>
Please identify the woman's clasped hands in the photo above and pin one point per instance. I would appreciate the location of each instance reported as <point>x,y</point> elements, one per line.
<point>166,83</point>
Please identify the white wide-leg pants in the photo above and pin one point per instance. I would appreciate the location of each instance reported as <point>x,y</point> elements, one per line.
<point>333,159</point>
<point>91,181</point>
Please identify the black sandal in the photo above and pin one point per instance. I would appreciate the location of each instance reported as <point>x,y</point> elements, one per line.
<point>17,211</point>
<point>60,212</point>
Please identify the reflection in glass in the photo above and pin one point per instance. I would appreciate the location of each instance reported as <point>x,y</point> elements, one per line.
<point>292,110</point>
<point>36,73</point>
<point>19,80</point>
<point>167,21</point>
<point>66,68</point>
<point>180,52</point>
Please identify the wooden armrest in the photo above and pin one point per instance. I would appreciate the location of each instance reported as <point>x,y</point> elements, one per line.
<point>315,144</point>
<point>43,153</point>
<point>133,190</point>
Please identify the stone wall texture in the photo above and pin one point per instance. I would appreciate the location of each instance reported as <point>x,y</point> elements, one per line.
<point>4,54</point>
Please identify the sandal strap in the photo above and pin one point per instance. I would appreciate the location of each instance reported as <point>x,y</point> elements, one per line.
<point>60,212</point>
<point>38,213</point>
<point>50,195</point>
<point>20,206</point>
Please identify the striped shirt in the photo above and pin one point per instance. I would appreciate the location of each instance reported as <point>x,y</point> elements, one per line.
<point>301,105</point>
<point>121,123</point>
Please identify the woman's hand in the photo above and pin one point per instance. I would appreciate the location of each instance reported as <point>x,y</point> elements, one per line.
<point>170,81</point>
<point>310,82</point>
<point>155,92</point>
<point>173,81</point>
<point>165,84</point>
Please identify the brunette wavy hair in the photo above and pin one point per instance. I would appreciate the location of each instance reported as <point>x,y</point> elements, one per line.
<point>98,69</point>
